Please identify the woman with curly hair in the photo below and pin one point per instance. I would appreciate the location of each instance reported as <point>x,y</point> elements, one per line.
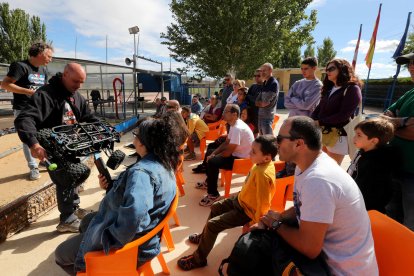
<point>341,94</point>
<point>137,202</point>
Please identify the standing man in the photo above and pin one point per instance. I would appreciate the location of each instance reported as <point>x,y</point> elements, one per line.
<point>227,89</point>
<point>96,97</point>
<point>266,101</point>
<point>57,103</point>
<point>237,145</point>
<point>328,219</point>
<point>302,99</point>
<point>23,79</point>
<point>304,94</point>
<point>401,114</point>
<point>251,97</point>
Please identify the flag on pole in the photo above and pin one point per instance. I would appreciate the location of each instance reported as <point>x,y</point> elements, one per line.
<point>401,46</point>
<point>370,53</point>
<point>354,60</point>
<point>397,53</point>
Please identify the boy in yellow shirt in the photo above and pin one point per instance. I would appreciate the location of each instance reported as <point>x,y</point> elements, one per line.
<point>246,207</point>
<point>197,129</point>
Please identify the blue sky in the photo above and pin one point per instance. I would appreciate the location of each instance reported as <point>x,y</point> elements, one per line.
<point>89,22</point>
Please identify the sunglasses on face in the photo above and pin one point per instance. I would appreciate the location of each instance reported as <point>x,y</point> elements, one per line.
<point>226,79</point>
<point>331,69</point>
<point>256,76</point>
<point>280,138</point>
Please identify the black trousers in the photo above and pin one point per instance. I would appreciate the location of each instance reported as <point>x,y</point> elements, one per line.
<point>213,169</point>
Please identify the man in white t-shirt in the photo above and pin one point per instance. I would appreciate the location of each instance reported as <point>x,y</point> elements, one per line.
<point>328,206</point>
<point>237,145</point>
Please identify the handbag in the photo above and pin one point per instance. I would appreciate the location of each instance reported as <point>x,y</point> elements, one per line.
<point>350,130</point>
<point>330,136</point>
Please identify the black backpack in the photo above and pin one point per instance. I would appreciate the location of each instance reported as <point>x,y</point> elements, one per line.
<point>263,252</point>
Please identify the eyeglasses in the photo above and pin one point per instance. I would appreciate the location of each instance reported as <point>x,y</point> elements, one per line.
<point>331,69</point>
<point>235,84</point>
<point>226,79</point>
<point>280,138</point>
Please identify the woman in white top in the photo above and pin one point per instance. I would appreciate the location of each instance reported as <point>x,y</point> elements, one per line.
<point>236,85</point>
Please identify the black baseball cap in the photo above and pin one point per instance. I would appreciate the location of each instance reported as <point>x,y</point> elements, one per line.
<point>404,59</point>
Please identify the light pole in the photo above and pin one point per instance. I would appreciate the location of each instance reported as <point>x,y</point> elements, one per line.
<point>134,30</point>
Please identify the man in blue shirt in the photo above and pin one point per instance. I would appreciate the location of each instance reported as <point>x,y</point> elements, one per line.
<point>196,106</point>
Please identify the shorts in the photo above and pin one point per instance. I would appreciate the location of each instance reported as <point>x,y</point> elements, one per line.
<point>341,146</point>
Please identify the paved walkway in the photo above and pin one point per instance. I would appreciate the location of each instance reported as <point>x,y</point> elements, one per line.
<point>31,252</point>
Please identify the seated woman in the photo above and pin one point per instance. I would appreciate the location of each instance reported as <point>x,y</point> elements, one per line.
<point>137,202</point>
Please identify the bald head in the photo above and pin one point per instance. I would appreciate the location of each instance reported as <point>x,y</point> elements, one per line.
<point>173,105</point>
<point>73,77</point>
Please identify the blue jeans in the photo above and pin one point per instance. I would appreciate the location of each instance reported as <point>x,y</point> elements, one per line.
<point>401,206</point>
<point>31,161</point>
<point>265,126</point>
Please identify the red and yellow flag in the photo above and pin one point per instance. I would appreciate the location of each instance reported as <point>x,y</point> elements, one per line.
<point>354,60</point>
<point>370,53</point>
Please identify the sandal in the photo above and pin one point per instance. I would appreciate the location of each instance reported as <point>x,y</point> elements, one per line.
<point>194,238</point>
<point>201,185</point>
<point>188,263</point>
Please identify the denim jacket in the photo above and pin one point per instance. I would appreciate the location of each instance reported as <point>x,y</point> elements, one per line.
<point>138,201</point>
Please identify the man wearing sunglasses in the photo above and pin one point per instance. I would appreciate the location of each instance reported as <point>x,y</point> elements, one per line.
<point>329,212</point>
<point>266,101</point>
<point>227,89</point>
<point>401,113</point>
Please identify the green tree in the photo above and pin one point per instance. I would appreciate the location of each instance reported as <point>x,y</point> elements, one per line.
<point>326,52</point>
<point>409,44</point>
<point>17,32</point>
<point>309,51</point>
<point>217,36</point>
<point>291,58</point>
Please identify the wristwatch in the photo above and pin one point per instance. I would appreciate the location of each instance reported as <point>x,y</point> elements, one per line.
<point>275,225</point>
<point>404,122</point>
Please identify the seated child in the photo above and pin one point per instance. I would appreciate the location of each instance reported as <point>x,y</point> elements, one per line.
<point>373,165</point>
<point>247,207</point>
<point>241,98</point>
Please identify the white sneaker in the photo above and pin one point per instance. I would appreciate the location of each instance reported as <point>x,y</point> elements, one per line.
<point>34,174</point>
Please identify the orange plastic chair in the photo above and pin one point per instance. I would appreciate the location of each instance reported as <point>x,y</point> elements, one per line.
<point>284,191</point>
<point>221,125</point>
<point>394,245</point>
<point>179,177</point>
<point>240,166</point>
<point>124,261</point>
<point>212,135</point>
<point>275,120</point>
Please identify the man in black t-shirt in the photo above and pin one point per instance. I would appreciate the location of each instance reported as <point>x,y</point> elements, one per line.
<point>96,97</point>
<point>23,79</point>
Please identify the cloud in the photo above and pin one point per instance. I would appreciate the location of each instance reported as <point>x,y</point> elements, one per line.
<point>96,19</point>
<point>59,52</point>
<point>316,3</point>
<point>379,70</point>
<point>381,46</point>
